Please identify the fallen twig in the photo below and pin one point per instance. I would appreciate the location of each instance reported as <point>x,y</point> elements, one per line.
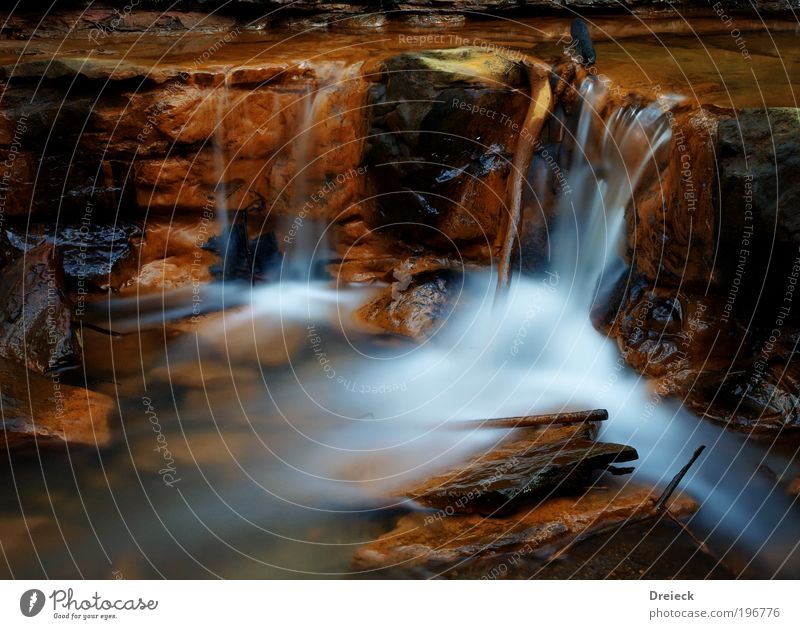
<point>673,484</point>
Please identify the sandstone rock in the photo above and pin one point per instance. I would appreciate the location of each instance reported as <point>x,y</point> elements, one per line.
<point>442,140</point>
<point>36,328</point>
<point>471,546</point>
<point>714,254</point>
<point>416,306</point>
<point>758,157</point>
<point>39,411</point>
<point>167,274</point>
<point>530,465</point>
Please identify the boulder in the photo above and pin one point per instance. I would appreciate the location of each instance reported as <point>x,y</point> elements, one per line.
<point>416,305</point>
<point>444,128</point>
<point>708,307</point>
<point>95,256</point>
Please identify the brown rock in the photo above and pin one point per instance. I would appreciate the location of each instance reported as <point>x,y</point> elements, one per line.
<point>43,411</point>
<point>473,546</point>
<point>529,465</point>
<point>36,328</point>
<point>416,306</point>
<point>442,137</point>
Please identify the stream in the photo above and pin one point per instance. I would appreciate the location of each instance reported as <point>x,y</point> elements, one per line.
<point>272,435</point>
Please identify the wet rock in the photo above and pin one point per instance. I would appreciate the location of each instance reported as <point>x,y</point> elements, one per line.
<point>39,410</point>
<point>530,465</point>
<point>758,157</point>
<point>442,140</point>
<point>36,328</point>
<point>167,274</point>
<point>472,546</point>
<point>252,260</point>
<point>672,223</point>
<point>627,553</point>
<point>415,306</point>
<point>582,42</point>
<point>708,308</point>
<point>94,256</point>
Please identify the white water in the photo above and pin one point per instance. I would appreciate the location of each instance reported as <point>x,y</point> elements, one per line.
<point>351,420</point>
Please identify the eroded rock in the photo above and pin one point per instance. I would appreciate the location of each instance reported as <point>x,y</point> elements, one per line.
<point>36,328</point>
<point>95,256</point>
<point>442,140</point>
<point>529,465</point>
<point>472,546</point>
<point>416,305</point>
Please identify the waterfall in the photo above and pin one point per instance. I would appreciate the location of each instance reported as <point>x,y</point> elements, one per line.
<point>306,247</point>
<point>219,139</point>
<point>350,421</point>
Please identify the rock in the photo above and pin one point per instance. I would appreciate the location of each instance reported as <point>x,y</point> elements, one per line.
<point>39,410</point>
<point>626,553</point>
<point>471,546</point>
<point>582,42</point>
<point>416,306</point>
<point>530,465</point>
<point>95,256</point>
<point>758,159</point>
<point>167,274</point>
<point>441,143</point>
<point>251,260</point>
<point>36,328</point>
<point>708,307</point>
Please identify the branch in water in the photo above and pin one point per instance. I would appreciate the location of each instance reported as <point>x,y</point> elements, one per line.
<point>538,111</point>
<point>536,421</point>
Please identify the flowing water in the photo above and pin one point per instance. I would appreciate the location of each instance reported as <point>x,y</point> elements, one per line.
<point>291,430</point>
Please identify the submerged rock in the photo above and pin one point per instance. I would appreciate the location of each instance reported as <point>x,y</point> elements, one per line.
<point>38,410</point>
<point>36,328</point>
<point>529,465</point>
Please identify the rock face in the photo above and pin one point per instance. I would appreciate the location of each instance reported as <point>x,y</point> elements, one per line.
<point>37,328</point>
<point>441,144</point>
<point>709,307</point>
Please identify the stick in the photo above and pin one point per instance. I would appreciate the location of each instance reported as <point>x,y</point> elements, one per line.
<point>536,421</point>
<point>538,110</point>
<point>673,485</point>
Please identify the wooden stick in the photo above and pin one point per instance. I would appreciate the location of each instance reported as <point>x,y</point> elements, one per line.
<point>536,421</point>
<point>538,111</point>
<point>661,503</point>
